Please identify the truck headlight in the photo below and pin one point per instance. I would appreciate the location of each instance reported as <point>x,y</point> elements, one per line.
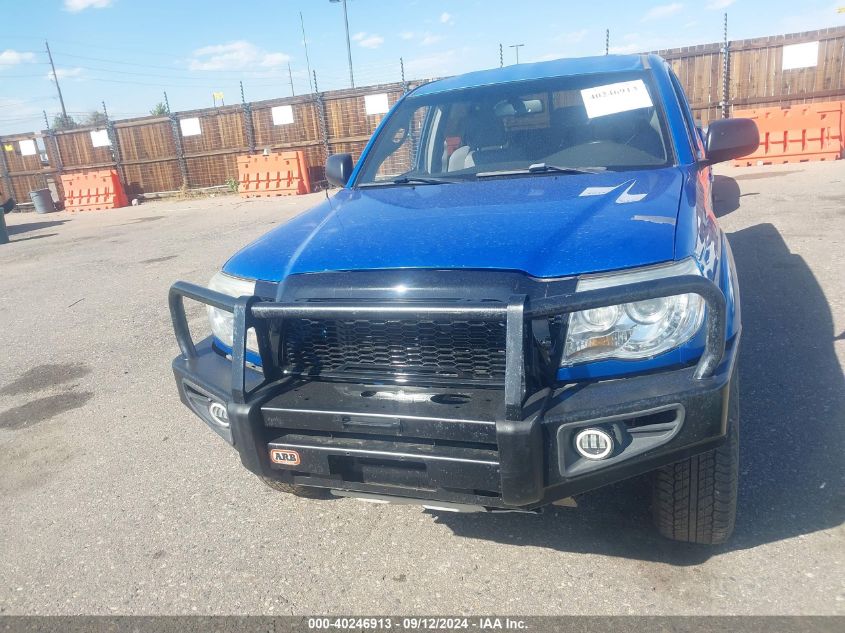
<point>636,330</point>
<point>222,322</point>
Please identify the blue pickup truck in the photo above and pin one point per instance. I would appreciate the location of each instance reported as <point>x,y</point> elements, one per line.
<point>519,293</point>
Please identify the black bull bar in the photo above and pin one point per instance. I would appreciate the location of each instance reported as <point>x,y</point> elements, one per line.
<point>523,434</point>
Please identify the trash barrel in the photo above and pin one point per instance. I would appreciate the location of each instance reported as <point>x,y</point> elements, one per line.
<point>43,200</point>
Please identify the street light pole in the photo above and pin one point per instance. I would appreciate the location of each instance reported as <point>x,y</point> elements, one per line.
<point>348,45</point>
<point>516,48</point>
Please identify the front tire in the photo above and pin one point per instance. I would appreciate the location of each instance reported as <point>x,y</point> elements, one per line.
<point>695,500</point>
<point>306,492</point>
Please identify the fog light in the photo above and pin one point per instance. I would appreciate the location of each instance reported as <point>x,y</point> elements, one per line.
<point>219,413</point>
<point>593,443</point>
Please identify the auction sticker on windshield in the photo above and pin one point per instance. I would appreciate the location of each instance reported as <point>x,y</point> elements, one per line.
<point>614,98</point>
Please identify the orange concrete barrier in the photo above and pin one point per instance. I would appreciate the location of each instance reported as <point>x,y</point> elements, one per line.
<point>93,191</point>
<point>275,174</point>
<point>798,133</point>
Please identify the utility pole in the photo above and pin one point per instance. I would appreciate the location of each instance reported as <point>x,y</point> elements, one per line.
<point>516,47</point>
<point>501,56</point>
<point>607,42</point>
<point>348,45</point>
<point>56,79</point>
<point>290,77</point>
<point>305,44</point>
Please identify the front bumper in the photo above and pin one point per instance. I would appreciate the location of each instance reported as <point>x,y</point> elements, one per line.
<point>490,447</point>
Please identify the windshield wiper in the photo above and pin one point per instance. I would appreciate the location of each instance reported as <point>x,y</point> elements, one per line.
<point>420,180</point>
<point>408,180</point>
<point>542,168</point>
<point>561,169</point>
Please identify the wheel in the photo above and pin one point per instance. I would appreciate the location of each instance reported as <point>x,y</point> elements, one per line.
<point>307,492</point>
<point>695,500</point>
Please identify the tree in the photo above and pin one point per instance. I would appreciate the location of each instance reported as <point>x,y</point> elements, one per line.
<point>95,117</point>
<point>64,122</point>
<point>160,109</point>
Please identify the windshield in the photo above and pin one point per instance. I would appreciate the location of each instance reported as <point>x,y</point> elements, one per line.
<point>557,125</point>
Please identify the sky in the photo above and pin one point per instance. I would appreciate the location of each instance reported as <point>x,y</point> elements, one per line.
<point>128,52</point>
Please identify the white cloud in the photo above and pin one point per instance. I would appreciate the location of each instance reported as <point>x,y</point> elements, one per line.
<point>406,35</point>
<point>11,57</point>
<point>372,41</point>
<point>447,18</point>
<point>239,55</point>
<point>430,38</point>
<point>64,73</point>
<point>368,40</point>
<point>719,4</point>
<point>574,36</point>
<point>663,11</point>
<point>74,6</point>
<point>431,66</point>
<point>628,43</point>
<point>626,49</point>
<point>271,60</point>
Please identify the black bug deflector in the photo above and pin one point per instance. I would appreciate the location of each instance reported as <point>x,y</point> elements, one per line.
<point>490,445</point>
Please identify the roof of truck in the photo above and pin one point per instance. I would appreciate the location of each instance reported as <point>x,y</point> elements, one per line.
<point>538,70</point>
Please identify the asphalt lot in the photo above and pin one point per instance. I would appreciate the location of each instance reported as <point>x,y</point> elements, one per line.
<point>115,499</point>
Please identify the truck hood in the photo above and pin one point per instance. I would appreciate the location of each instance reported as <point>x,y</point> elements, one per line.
<point>543,225</point>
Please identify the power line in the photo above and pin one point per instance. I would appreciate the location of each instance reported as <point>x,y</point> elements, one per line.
<point>161,84</point>
<point>30,101</point>
<point>22,76</point>
<point>122,63</point>
<point>235,75</point>
<point>88,45</point>
<point>161,76</point>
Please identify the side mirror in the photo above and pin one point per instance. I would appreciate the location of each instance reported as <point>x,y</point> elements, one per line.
<point>9,205</point>
<point>730,138</point>
<point>339,169</point>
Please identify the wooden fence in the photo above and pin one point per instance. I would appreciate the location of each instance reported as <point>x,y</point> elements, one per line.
<point>755,75</point>
<point>161,154</point>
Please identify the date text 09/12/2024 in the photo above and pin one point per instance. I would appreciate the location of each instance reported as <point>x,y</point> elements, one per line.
<point>418,623</point>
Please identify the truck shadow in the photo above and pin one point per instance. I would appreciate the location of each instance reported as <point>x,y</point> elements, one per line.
<point>725,195</point>
<point>792,395</point>
<point>18,229</point>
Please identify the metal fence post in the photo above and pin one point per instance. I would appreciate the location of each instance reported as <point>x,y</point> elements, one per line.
<point>54,156</point>
<point>402,71</point>
<point>115,144</point>
<point>321,116</point>
<point>249,130</point>
<point>56,153</point>
<point>4,172</point>
<point>180,153</point>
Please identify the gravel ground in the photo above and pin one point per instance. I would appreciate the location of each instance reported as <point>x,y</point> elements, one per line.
<point>115,499</point>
